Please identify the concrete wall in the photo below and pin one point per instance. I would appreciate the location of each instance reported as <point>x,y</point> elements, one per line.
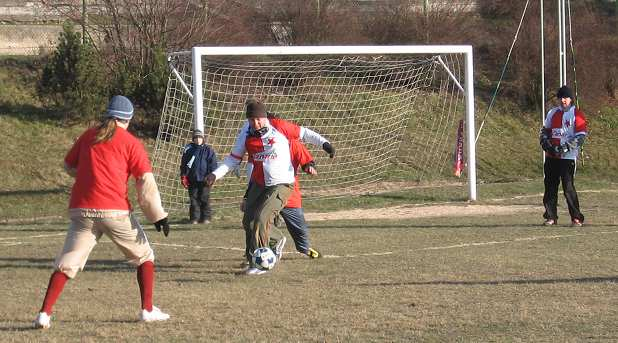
<point>27,28</point>
<point>28,39</point>
<point>25,11</point>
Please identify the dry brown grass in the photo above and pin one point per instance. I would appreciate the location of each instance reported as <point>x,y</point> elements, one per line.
<point>498,278</point>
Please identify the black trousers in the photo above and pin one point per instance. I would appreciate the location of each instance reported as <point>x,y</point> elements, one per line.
<point>557,170</point>
<point>199,196</point>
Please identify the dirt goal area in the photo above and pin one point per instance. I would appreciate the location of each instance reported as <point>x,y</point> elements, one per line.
<point>423,211</point>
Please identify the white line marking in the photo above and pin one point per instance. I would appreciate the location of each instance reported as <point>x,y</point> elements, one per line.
<point>37,236</point>
<point>455,246</point>
<point>196,246</point>
<point>8,244</point>
<point>473,244</point>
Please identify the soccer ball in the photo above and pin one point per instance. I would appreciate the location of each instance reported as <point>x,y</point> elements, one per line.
<point>264,258</point>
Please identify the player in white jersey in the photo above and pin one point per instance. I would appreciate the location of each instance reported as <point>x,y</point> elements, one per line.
<point>272,178</point>
<point>293,214</point>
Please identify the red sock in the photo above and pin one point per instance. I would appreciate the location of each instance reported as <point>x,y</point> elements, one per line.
<point>145,279</point>
<point>56,284</point>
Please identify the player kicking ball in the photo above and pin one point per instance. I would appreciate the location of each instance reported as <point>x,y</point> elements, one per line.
<point>267,144</point>
<point>293,213</point>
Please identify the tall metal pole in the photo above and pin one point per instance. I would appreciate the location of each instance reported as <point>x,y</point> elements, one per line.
<point>198,95</point>
<point>562,41</point>
<point>426,17</point>
<point>470,134</point>
<point>542,70</point>
<point>84,21</point>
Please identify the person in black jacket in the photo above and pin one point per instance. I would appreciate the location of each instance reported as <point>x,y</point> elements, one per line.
<point>198,160</point>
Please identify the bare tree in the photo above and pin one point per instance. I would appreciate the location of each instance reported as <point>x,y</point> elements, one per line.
<point>406,22</point>
<point>311,22</point>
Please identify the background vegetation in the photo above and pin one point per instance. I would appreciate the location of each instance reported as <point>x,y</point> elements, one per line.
<point>131,39</point>
<point>452,278</point>
<point>46,101</point>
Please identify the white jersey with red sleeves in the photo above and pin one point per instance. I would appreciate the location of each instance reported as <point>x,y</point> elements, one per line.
<point>564,126</point>
<point>270,153</point>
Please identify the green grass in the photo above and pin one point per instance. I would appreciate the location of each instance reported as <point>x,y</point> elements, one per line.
<point>445,279</point>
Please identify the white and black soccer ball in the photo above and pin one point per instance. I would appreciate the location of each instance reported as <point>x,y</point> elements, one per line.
<point>264,258</point>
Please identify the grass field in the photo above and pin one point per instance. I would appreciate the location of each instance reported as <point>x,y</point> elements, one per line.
<point>500,278</point>
<point>458,274</point>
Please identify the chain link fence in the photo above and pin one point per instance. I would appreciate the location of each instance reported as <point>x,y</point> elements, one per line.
<point>28,39</point>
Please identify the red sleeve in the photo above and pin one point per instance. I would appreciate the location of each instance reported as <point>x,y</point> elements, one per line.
<point>138,161</point>
<point>300,154</point>
<point>72,156</point>
<point>289,129</point>
<point>581,124</point>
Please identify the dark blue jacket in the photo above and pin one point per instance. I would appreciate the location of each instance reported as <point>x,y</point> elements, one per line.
<point>197,162</point>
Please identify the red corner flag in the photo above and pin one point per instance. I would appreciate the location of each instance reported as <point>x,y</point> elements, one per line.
<point>458,161</point>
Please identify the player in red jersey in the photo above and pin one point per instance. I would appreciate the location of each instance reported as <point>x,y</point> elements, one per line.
<point>101,160</point>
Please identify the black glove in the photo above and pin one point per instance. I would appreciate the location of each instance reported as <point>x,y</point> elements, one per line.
<point>545,141</point>
<point>546,145</point>
<point>308,165</point>
<point>163,224</point>
<point>329,149</point>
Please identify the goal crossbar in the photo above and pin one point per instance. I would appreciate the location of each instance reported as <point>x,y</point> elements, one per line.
<point>468,88</point>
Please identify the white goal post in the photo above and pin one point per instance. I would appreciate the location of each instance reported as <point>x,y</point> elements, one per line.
<point>396,97</point>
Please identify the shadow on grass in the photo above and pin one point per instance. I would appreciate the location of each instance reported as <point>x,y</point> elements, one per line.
<point>599,279</point>
<point>95,265</point>
<point>60,190</point>
<point>30,327</point>
<point>99,265</point>
<point>20,328</point>
<point>32,113</point>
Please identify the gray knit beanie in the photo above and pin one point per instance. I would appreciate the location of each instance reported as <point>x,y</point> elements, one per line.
<point>120,107</point>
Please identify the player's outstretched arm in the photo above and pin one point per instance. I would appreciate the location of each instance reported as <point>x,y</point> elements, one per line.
<point>149,200</point>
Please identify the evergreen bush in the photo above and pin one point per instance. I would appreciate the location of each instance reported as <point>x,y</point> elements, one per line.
<point>73,79</point>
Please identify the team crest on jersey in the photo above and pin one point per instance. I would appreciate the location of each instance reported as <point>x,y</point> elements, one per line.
<point>271,141</point>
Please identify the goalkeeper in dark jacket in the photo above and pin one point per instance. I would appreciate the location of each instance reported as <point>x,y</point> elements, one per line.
<point>562,136</point>
<point>198,160</point>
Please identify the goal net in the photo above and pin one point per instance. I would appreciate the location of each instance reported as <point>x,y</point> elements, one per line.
<point>392,113</point>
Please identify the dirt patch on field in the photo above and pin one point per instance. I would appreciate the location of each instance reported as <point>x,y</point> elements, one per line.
<point>411,211</point>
